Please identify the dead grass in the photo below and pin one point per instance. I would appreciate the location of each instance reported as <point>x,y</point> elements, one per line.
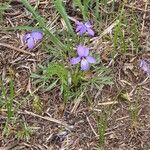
<point>128,122</point>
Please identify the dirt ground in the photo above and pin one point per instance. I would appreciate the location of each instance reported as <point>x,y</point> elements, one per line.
<point>125,104</point>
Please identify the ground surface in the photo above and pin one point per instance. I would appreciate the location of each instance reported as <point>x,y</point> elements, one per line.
<point>125,104</point>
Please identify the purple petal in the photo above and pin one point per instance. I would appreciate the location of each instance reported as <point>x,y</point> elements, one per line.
<point>145,68</point>
<point>82,30</point>
<point>86,51</point>
<point>75,60</point>
<point>30,43</point>
<point>78,28</point>
<point>82,51</point>
<point>26,37</point>
<point>91,59</point>
<point>84,65</point>
<point>90,31</point>
<point>144,65</point>
<point>148,72</point>
<point>37,35</point>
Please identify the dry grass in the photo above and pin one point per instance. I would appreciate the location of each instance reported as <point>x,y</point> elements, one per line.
<point>126,103</point>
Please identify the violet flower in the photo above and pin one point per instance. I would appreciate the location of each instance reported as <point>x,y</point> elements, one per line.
<point>32,38</point>
<point>144,66</point>
<point>82,28</point>
<point>83,57</point>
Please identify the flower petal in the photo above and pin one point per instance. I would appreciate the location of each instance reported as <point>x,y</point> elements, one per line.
<point>84,65</point>
<point>148,72</point>
<point>144,65</point>
<point>78,28</point>
<point>26,37</point>
<point>86,51</point>
<point>82,51</point>
<point>82,30</point>
<point>75,60</point>
<point>91,59</point>
<point>90,31</point>
<point>37,35</point>
<point>30,43</point>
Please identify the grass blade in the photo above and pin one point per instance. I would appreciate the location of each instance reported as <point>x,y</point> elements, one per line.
<point>97,10</point>
<point>10,102</point>
<point>28,28</point>
<point>60,8</point>
<point>42,24</point>
<point>82,8</point>
<point>102,125</point>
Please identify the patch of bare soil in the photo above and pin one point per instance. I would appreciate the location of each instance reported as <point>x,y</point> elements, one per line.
<point>76,129</point>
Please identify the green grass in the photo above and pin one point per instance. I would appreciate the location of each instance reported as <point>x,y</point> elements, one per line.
<point>7,98</point>
<point>57,73</point>
<point>96,12</point>
<point>6,102</point>
<point>25,132</point>
<point>3,7</point>
<point>54,74</point>
<point>42,25</point>
<point>102,125</point>
<point>70,82</point>
<point>83,6</point>
<point>11,108</point>
<point>134,110</point>
<point>60,8</point>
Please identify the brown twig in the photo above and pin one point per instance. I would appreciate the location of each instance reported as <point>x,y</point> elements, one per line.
<point>108,103</point>
<point>45,118</point>
<point>136,8</point>
<point>77,103</point>
<point>144,16</point>
<point>92,127</point>
<point>16,49</point>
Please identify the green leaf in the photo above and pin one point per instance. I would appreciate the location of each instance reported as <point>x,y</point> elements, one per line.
<point>53,73</point>
<point>52,85</point>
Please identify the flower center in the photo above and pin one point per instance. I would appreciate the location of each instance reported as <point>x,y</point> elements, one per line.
<point>83,58</point>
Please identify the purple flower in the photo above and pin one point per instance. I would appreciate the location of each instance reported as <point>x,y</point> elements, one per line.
<point>83,57</point>
<point>145,67</point>
<point>82,28</point>
<point>32,38</point>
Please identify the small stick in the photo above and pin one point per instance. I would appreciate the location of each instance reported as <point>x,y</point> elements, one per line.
<point>92,127</point>
<point>16,49</point>
<point>108,103</point>
<point>111,1</point>
<point>110,63</point>
<point>77,103</point>
<point>136,8</point>
<point>144,16</point>
<point>72,19</point>
<point>45,118</point>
